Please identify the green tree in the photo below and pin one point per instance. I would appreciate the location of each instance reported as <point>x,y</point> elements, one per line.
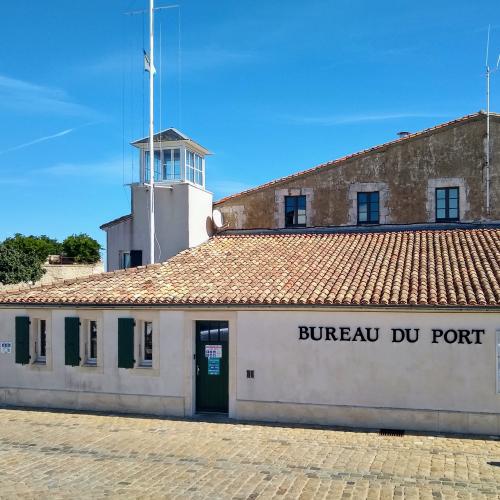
<point>82,248</point>
<point>17,266</point>
<point>42,246</point>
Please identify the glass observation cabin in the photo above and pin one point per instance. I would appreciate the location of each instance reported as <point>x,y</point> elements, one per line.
<point>177,158</point>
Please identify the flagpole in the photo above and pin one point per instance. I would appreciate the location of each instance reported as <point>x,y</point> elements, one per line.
<point>151,142</point>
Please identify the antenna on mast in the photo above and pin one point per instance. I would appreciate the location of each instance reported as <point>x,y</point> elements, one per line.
<point>149,66</point>
<point>151,134</point>
<point>488,153</point>
<point>488,123</point>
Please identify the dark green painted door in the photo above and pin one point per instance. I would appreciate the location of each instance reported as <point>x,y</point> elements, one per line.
<point>212,366</point>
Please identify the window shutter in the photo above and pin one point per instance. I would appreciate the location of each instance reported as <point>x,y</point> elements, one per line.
<point>126,343</point>
<point>72,341</point>
<point>22,340</point>
<point>135,258</point>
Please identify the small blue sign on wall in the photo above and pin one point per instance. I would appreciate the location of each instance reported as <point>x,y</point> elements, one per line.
<point>214,366</point>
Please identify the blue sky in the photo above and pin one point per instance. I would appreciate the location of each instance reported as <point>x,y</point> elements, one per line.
<point>270,87</point>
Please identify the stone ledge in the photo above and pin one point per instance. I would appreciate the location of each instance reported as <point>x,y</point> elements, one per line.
<point>93,401</point>
<point>370,418</point>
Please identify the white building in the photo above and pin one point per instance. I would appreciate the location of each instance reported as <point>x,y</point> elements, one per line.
<point>183,207</point>
<point>369,326</point>
<point>391,329</point>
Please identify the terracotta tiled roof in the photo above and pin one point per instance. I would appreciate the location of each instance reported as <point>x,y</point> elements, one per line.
<point>429,267</point>
<point>334,163</point>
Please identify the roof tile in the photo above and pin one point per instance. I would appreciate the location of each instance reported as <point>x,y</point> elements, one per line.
<point>419,268</point>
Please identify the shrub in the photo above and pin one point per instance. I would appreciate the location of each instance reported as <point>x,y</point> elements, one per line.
<point>17,266</point>
<point>83,248</point>
<point>42,246</point>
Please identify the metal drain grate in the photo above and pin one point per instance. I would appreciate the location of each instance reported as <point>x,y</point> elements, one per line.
<point>391,432</point>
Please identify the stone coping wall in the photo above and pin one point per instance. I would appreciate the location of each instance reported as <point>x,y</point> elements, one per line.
<point>59,272</point>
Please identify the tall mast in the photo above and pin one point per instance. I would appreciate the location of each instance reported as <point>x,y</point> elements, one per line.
<point>151,143</point>
<point>487,140</point>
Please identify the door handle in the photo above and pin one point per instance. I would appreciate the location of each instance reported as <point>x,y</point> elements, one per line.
<point>197,370</point>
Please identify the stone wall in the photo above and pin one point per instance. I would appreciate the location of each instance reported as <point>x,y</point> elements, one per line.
<point>59,272</point>
<point>405,172</point>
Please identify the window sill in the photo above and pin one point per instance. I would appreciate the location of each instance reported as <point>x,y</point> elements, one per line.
<point>145,370</point>
<point>91,368</point>
<point>40,366</point>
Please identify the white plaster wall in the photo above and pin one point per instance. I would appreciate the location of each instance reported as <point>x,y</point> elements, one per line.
<point>200,215</point>
<point>164,380</point>
<point>182,213</point>
<point>118,238</point>
<point>449,387</point>
<point>379,374</point>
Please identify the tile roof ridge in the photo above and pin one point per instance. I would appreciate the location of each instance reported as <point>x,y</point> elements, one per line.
<point>115,221</point>
<point>356,154</point>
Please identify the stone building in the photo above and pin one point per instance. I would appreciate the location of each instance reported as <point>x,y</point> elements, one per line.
<point>403,174</point>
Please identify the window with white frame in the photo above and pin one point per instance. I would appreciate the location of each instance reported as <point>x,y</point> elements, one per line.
<point>146,344</point>
<point>198,170</point>
<point>190,166</point>
<point>41,341</point>
<point>171,162</point>
<point>125,261</point>
<point>194,168</point>
<point>91,343</point>
<point>157,166</point>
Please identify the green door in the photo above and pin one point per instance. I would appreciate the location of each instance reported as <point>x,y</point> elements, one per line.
<point>212,366</point>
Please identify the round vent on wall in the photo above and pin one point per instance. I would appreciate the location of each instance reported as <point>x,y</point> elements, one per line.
<point>217,219</point>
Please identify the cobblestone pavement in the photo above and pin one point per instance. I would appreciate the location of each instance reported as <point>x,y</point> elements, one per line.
<point>74,455</point>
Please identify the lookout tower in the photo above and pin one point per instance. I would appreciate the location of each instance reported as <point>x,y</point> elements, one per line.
<point>177,158</point>
<point>182,205</point>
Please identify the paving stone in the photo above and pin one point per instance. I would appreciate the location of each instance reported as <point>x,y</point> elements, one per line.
<point>65,455</point>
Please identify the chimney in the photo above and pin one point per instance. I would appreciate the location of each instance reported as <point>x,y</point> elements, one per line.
<point>403,134</point>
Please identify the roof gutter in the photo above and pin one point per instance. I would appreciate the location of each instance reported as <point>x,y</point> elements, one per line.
<point>287,307</point>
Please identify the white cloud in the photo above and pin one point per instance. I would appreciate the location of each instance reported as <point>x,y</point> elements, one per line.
<point>36,141</point>
<point>106,171</point>
<point>330,120</point>
<point>193,60</point>
<point>211,57</point>
<point>111,169</point>
<point>28,97</point>
<point>223,188</point>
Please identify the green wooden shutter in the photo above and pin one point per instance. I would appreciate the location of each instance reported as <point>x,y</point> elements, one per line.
<point>126,343</point>
<point>72,341</point>
<point>22,340</point>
